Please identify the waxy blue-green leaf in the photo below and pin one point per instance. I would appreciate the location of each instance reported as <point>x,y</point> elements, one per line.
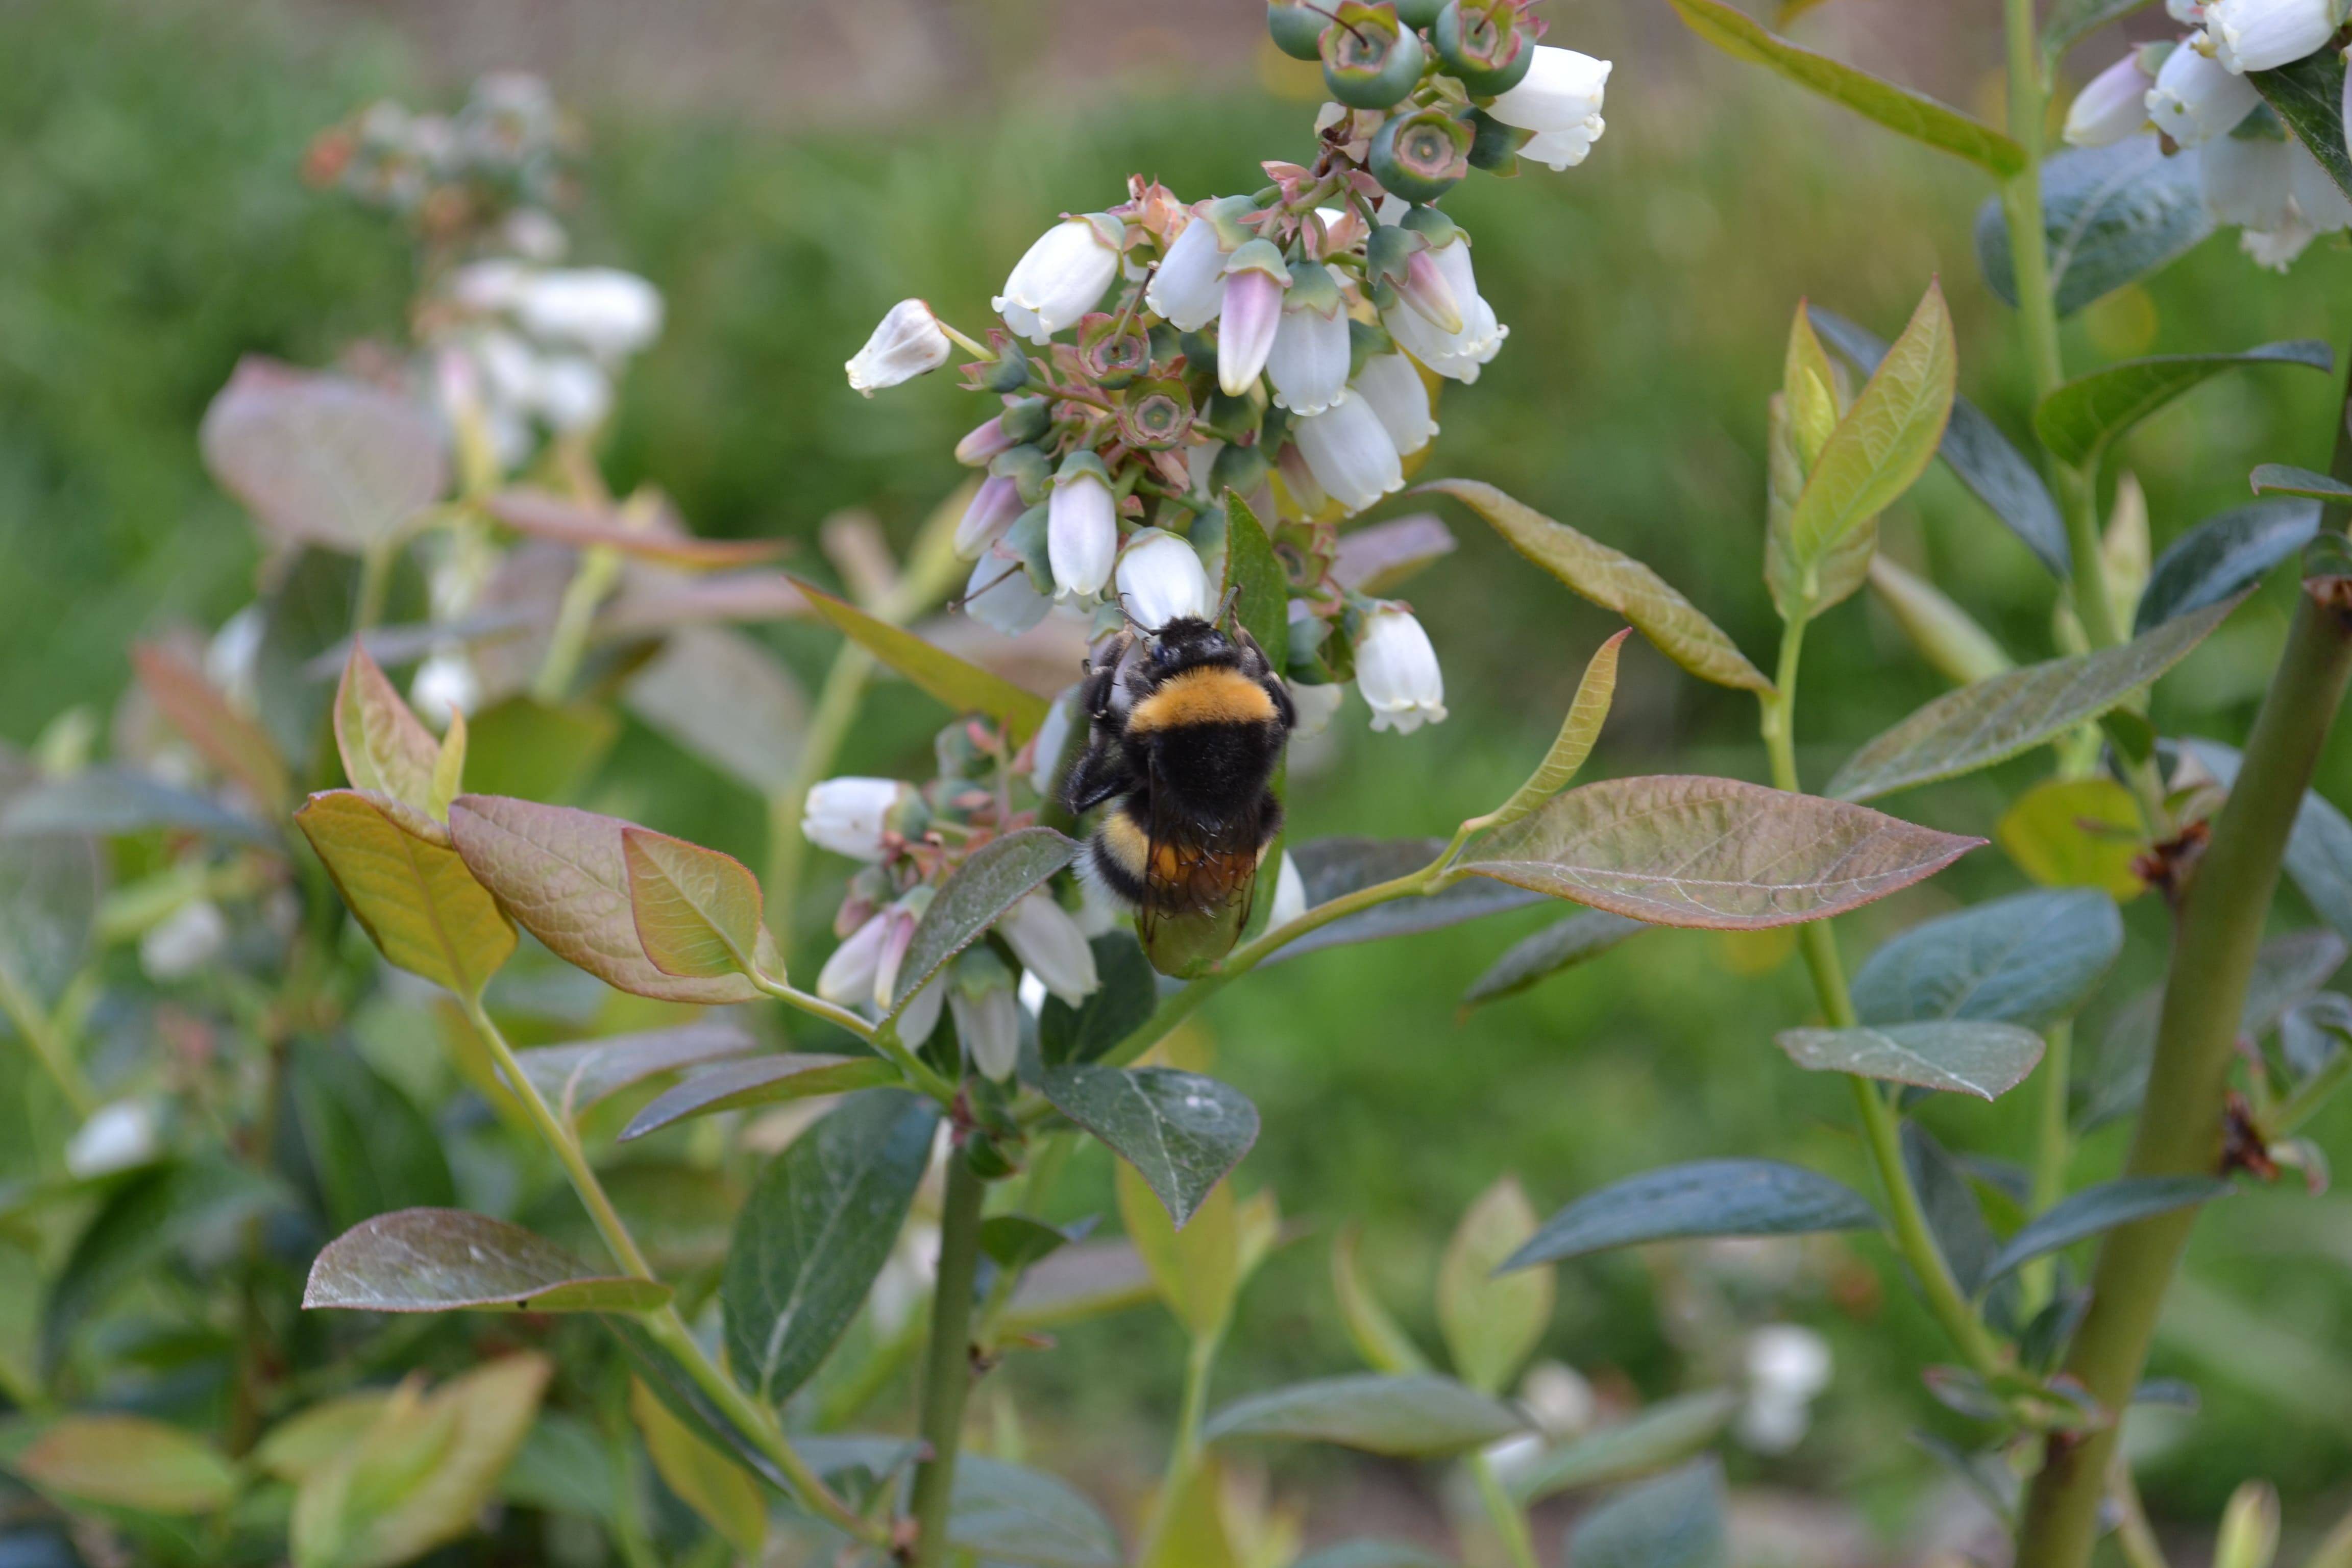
<point>1900,110</point>
<point>1649,1439</point>
<point>2287,479</point>
<point>995,877</point>
<point>2308,95</point>
<point>2289,969</point>
<point>443,1260</point>
<point>1959,1055</point>
<point>761,1080</point>
<point>1007,1513</point>
<point>1703,1198</point>
<point>1180,1131</point>
<point>1994,469</point>
<point>2110,215</point>
<point>1559,946</point>
<point>1712,853</point>
<point>1673,1522</point>
<point>1332,868</point>
<point>2029,959</point>
<point>2223,556</point>
<point>1123,1004</point>
<point>2101,1208</point>
<point>820,1220</point>
<point>2319,851</point>
<point>1420,1415</point>
<point>690,1402</point>
<point>1954,1213</point>
<point>2078,420</point>
<point>1084,1280</point>
<point>2011,712</point>
<point>575,1076</point>
<point>962,686</point>
<point>106,803</point>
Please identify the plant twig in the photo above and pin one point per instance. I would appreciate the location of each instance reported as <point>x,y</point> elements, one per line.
<point>948,1368</point>
<point>1509,1520</point>
<point>1184,1452</point>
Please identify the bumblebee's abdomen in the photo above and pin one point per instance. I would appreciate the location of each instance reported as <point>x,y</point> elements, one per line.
<point>1202,868</point>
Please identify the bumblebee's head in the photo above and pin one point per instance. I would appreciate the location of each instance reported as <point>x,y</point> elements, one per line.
<point>1187,643</point>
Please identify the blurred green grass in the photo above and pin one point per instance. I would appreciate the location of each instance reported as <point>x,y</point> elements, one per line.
<point>157,231</point>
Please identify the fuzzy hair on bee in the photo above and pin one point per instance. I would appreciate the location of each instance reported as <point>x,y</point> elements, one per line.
<point>1187,725</point>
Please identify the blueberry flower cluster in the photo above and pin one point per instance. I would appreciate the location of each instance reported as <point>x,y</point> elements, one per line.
<point>2197,95</point>
<point>1284,346</point>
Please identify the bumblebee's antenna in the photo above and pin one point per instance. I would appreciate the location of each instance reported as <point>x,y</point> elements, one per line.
<point>1119,598</point>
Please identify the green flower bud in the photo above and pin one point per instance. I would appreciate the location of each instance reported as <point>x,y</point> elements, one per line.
<point>1494,146</point>
<point>1370,62</point>
<point>1010,373</point>
<point>1113,353</point>
<point>1419,12</point>
<point>1484,44</point>
<point>1025,543</point>
<point>1026,466</point>
<point>1420,157</point>
<point>1026,420</point>
<point>1366,340</point>
<point>1242,468</point>
<point>1298,28</point>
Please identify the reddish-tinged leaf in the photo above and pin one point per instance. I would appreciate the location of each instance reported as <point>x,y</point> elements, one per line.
<point>409,890</point>
<point>235,745</point>
<point>321,457</point>
<point>442,1260</point>
<point>964,686</point>
<point>384,747</point>
<point>544,516</point>
<point>697,911</point>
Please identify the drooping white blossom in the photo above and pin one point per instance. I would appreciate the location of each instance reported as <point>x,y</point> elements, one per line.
<point>603,310</point>
<point>1350,454</point>
<point>849,815</point>
<point>2111,106</point>
<point>1050,946</point>
<point>1308,361</point>
<point>2196,97</point>
<point>1081,527</point>
<point>1396,670</point>
<point>906,344</point>
<point>1559,99</point>
<point>1061,277</point>
<point>1190,287</point>
<point>1396,393</point>
<point>1161,579</point>
<point>2263,35</point>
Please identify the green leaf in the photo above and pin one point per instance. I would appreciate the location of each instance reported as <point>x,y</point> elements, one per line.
<point>1086,1280</point>
<point>298,1446</point>
<point>561,1467</point>
<point>1015,1242</point>
<point>563,874</point>
<point>1121,1004</point>
<point>1196,1272</point>
<point>2223,556</point>
<point>820,1222</point>
<point>1332,868</point>
<point>963,687</point>
<point>49,887</point>
<point>322,457</point>
<point>369,1149</point>
<point>1945,635</point>
<point>2110,215</point>
<point>1705,1197</point>
<point>1712,853</point>
<point>2029,959</point>
<point>1880,447</point>
<point>1994,469</point>
<point>1180,1131</point>
<point>2308,95</point>
<point>1414,1418</point>
<point>2012,712</point>
<point>384,747</point>
<point>2287,479</point>
<point>1952,1209</point>
<point>1491,1322</point>
<point>1384,1346</point>
<point>1578,731</point>
<point>1898,108</point>
<point>992,879</point>
<point>2101,1208</point>
<point>717,1489</point>
<point>2070,21</point>
<point>1962,1056</point>
<point>129,1461</point>
<point>228,738</point>
<point>1006,1514</point>
<point>417,899</point>
<point>686,1400</point>
<point>2077,421</point>
<point>1559,946</point>
<point>761,1080</point>
<point>111,803</point>
<point>1673,1521</point>
<point>2076,833</point>
<point>575,1076</point>
<point>722,697</point>
<point>1651,1439</point>
<point>1615,580</point>
<point>2319,851</point>
<point>2289,969</point>
<point>697,911</point>
<point>442,1260</point>
<point>1261,587</point>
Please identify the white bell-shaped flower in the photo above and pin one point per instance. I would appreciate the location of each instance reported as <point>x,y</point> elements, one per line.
<point>1050,946</point>
<point>2112,106</point>
<point>444,684</point>
<point>993,507</point>
<point>907,344</point>
<point>2196,97</point>
<point>922,1011</point>
<point>1396,393</point>
<point>1559,97</point>
<point>1456,355</point>
<point>1188,287</point>
<point>1787,1366</point>
<point>999,595</point>
<point>2317,197</point>
<point>2263,35</point>
<point>990,1026</point>
<point>1316,706</point>
<point>1396,670</point>
<point>573,392</point>
<point>2248,181</point>
<point>1350,454</point>
<point>1061,277</point>
<point>849,815</point>
<point>1161,579</point>
<point>1081,527</point>
<point>848,978</point>
<point>608,312</point>
<point>1308,361</point>
<point>118,1134</point>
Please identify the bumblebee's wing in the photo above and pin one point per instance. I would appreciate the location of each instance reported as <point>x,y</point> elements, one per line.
<point>1193,864</point>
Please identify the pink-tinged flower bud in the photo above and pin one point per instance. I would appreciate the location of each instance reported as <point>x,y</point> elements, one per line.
<point>1394,389</point>
<point>1062,277</point>
<point>1308,361</point>
<point>850,816</point>
<point>1425,289</point>
<point>1161,579</point>
<point>1315,706</point>
<point>608,312</point>
<point>907,344</point>
<point>999,595</point>
<point>898,935</point>
<point>993,507</point>
<point>1561,96</point>
<point>1350,454</point>
<point>1050,946</point>
<point>1250,314</point>
<point>1290,892</point>
<point>848,978</point>
<point>2248,181</point>
<point>1190,285</point>
<point>1081,527</point>
<point>1397,671</point>
<point>2263,35</point>
<point>2112,106</point>
<point>2196,97</point>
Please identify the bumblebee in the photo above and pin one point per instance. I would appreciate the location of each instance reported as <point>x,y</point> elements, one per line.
<point>1187,726</point>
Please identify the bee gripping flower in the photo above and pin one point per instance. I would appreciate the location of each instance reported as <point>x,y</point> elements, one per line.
<point>1249,314</point>
<point>2263,35</point>
<point>1161,579</point>
<point>1350,454</point>
<point>907,344</point>
<point>1062,275</point>
<point>1081,527</point>
<point>1308,361</point>
<point>1397,671</point>
<point>851,815</point>
<point>2196,97</point>
<point>2112,106</point>
<point>1050,946</point>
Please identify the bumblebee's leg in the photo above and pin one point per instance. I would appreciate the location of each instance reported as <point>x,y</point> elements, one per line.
<point>1260,669</point>
<point>1100,773</point>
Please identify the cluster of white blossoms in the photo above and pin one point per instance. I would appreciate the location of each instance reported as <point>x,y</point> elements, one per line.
<point>2196,94</point>
<point>1284,347</point>
<point>534,349</point>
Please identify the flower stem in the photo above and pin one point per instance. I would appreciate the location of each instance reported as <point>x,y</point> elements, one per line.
<point>948,1370</point>
<point>375,583</point>
<point>2054,1147</point>
<point>1510,1521</point>
<point>599,569</point>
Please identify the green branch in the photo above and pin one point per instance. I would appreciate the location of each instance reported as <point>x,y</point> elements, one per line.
<point>948,1368</point>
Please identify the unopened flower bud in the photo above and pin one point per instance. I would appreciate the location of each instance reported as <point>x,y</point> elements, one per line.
<point>1250,314</point>
<point>1062,277</point>
<point>1308,361</point>
<point>1161,579</point>
<point>1081,527</point>
<point>608,312</point>
<point>1190,284</point>
<point>922,1011</point>
<point>1369,60</point>
<point>983,443</point>
<point>2196,97</point>
<point>1027,468</point>
<point>848,978</point>
<point>2263,35</point>
<point>987,1012</point>
<point>1394,389</point>
<point>907,344</point>
<point>1424,290</point>
<point>850,816</point>
<point>1457,354</point>
<point>1397,671</point>
<point>993,507</point>
<point>1050,946</point>
<point>2112,106</point>
<point>1350,454</point>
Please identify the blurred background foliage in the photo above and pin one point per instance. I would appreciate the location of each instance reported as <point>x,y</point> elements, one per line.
<point>153,227</point>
